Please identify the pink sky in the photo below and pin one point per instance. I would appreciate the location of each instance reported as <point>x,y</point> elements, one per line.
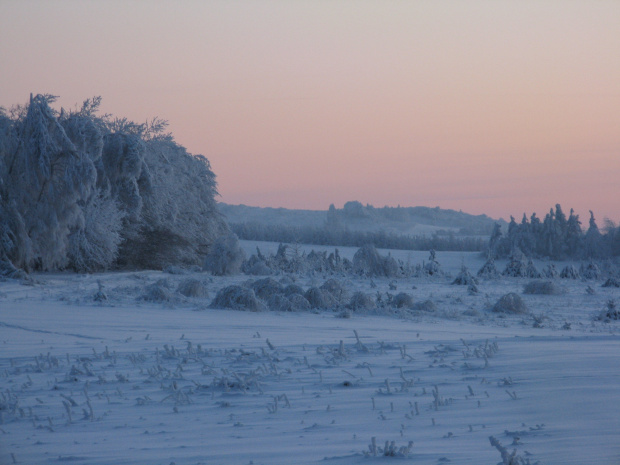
<point>481,106</point>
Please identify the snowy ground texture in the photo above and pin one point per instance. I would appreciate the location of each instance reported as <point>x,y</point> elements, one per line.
<point>132,381</point>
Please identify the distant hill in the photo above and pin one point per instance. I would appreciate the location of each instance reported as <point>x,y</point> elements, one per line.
<point>410,221</point>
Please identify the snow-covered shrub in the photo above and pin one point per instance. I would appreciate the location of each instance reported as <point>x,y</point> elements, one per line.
<point>389,449</point>
<point>336,289</point>
<point>192,287</point>
<point>465,278</point>
<point>265,288</point>
<point>488,270</point>
<point>515,268</point>
<point>611,312</point>
<point>591,271</point>
<point>543,288</point>
<point>225,256</point>
<point>361,301</point>
<point>279,303</point>
<point>158,292</point>
<point>611,282</point>
<point>237,298</point>
<point>299,303</point>
<point>550,271</point>
<point>257,267</point>
<point>425,306</point>
<point>531,271</point>
<point>569,272</point>
<point>318,298</point>
<point>402,300</point>
<point>292,289</point>
<point>368,262</point>
<point>432,268</point>
<point>510,303</point>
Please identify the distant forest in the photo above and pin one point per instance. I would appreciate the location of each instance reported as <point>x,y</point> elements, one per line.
<point>556,237</point>
<point>346,238</point>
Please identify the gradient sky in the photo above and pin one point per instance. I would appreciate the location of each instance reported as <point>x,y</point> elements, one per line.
<point>496,107</point>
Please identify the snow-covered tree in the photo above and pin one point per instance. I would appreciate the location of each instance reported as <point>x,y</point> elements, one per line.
<point>83,191</point>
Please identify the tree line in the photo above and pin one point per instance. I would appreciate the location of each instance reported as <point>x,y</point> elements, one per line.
<point>556,236</point>
<point>344,237</point>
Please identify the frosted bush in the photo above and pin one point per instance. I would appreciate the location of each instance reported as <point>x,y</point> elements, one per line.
<point>293,289</point>
<point>237,298</point>
<point>192,287</point>
<point>265,288</point>
<point>543,288</point>
<point>158,292</point>
<point>225,256</point>
<point>569,272</point>
<point>612,282</point>
<point>510,303</point>
<point>299,303</point>
<point>425,306</point>
<point>361,301</point>
<point>432,267</point>
<point>515,268</point>
<point>488,270</point>
<point>402,300</point>
<point>465,278</point>
<point>368,262</point>
<point>257,268</point>
<point>531,271</point>
<point>335,288</point>
<point>279,303</point>
<point>550,271</point>
<point>611,312</point>
<point>318,298</point>
<point>592,271</point>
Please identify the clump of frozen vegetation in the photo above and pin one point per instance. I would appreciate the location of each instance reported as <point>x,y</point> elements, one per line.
<point>402,300</point>
<point>611,312</point>
<point>368,262</point>
<point>510,303</point>
<point>320,298</point>
<point>531,271</point>
<point>360,302</point>
<point>237,298</point>
<point>432,267</point>
<point>225,256</point>
<point>488,270</point>
<point>543,288</point>
<point>87,192</point>
<point>569,272</point>
<point>611,282</point>
<point>465,278</point>
<point>158,292</point>
<point>591,271</point>
<point>516,268</point>
<point>390,449</point>
<point>336,289</point>
<point>550,271</point>
<point>267,287</point>
<point>192,287</point>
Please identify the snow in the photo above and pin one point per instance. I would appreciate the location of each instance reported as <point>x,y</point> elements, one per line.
<point>178,382</point>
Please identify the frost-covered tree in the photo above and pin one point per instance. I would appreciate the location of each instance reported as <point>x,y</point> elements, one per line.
<point>87,192</point>
<point>225,256</point>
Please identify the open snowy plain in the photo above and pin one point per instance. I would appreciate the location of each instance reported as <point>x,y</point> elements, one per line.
<point>95,369</point>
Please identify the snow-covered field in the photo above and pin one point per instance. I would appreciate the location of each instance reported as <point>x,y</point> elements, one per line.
<point>125,380</point>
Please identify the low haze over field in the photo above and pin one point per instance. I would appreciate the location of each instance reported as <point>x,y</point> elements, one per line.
<point>487,107</point>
